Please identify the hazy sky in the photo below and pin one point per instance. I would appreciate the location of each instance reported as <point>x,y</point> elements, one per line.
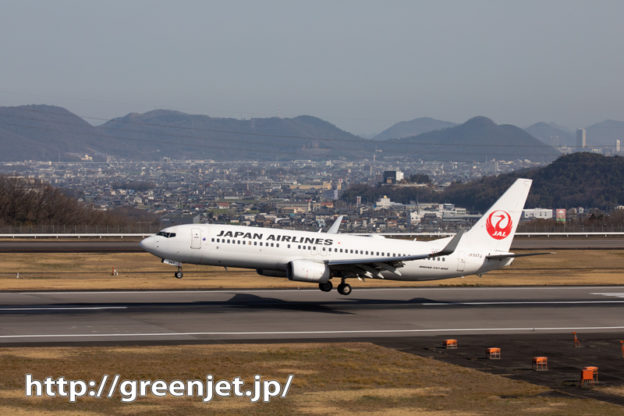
<point>362,65</point>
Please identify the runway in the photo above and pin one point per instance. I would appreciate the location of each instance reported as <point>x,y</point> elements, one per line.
<point>269,315</point>
<point>116,246</point>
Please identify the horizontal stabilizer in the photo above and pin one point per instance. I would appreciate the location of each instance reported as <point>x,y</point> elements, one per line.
<point>512,255</point>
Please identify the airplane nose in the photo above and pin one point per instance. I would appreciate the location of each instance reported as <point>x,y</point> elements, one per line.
<point>146,243</point>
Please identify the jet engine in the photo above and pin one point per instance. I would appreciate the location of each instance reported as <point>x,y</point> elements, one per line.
<point>308,271</point>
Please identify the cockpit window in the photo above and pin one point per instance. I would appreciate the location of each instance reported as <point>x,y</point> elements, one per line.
<point>166,234</point>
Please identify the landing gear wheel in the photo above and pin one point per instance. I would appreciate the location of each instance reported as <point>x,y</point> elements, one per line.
<point>326,287</point>
<point>344,288</point>
<point>179,274</point>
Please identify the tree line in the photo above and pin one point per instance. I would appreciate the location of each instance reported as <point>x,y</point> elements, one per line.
<point>34,202</point>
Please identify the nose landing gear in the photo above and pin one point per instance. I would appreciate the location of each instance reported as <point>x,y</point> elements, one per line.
<point>179,274</point>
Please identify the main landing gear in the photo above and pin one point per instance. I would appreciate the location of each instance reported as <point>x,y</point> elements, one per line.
<point>179,274</point>
<point>343,288</point>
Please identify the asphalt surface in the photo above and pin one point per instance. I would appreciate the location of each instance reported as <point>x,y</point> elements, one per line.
<point>98,246</point>
<point>269,315</point>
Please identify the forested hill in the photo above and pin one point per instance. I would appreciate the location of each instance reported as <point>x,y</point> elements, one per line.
<point>32,202</point>
<point>43,132</point>
<point>576,180</point>
<point>477,139</point>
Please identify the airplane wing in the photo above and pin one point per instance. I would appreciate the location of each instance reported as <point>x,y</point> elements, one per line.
<point>513,255</point>
<point>335,226</point>
<point>373,267</point>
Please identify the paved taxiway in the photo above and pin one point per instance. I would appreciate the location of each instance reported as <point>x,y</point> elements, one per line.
<point>230,315</point>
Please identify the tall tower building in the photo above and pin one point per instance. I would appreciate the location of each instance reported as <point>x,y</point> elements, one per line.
<point>618,146</point>
<point>581,139</point>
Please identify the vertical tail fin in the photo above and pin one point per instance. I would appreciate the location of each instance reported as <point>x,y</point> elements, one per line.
<point>495,230</point>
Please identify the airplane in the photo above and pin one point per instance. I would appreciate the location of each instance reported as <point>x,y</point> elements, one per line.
<point>318,257</point>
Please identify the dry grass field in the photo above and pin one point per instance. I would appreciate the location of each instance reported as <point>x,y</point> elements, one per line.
<point>73,271</point>
<point>329,379</point>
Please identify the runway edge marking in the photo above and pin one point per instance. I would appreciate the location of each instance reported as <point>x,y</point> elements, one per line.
<point>334,332</point>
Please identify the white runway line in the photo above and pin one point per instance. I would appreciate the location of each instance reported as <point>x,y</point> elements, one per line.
<point>523,302</point>
<point>363,289</point>
<point>335,332</point>
<point>78,308</point>
<point>614,294</point>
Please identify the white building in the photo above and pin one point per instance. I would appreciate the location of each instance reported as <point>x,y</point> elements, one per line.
<point>383,203</point>
<point>537,213</point>
<point>581,139</point>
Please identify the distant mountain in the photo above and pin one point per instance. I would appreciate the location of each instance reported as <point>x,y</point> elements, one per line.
<point>412,128</point>
<point>40,132</point>
<point>477,139</point>
<point>43,132</point>
<point>160,133</point>
<point>605,133</point>
<point>552,134</point>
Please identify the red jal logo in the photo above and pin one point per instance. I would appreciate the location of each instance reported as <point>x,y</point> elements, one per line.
<point>498,224</point>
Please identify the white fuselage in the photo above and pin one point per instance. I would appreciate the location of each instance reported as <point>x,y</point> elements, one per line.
<point>272,249</point>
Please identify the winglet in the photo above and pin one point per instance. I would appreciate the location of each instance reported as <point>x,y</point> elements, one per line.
<point>450,247</point>
<point>335,226</point>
